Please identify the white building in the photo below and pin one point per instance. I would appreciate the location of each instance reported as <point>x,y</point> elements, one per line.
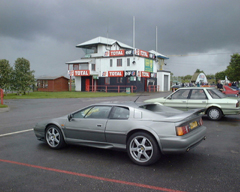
<point>112,65</point>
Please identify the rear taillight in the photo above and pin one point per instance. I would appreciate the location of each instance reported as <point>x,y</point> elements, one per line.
<point>180,131</point>
<point>237,104</point>
<point>200,122</point>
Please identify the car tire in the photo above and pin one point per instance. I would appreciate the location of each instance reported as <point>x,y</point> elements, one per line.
<point>214,113</point>
<point>143,149</point>
<point>54,137</point>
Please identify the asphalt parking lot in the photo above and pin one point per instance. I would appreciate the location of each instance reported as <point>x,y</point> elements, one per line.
<point>27,164</point>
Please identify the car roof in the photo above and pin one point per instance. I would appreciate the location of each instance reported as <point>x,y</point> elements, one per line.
<point>197,88</point>
<point>122,103</point>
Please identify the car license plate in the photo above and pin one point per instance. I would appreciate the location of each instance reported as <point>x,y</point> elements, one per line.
<point>193,124</point>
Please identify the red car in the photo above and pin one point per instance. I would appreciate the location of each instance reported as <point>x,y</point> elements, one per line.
<point>230,91</point>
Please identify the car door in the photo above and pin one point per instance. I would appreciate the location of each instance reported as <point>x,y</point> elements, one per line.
<point>88,124</point>
<point>178,99</point>
<point>197,99</point>
<point>118,125</point>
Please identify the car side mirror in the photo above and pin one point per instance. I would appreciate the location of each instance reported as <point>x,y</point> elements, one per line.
<point>70,116</point>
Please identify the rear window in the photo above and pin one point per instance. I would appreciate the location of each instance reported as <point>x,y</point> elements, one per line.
<point>120,113</point>
<point>160,109</point>
<point>216,94</point>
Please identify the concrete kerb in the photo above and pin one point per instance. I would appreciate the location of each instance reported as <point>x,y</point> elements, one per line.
<point>4,109</point>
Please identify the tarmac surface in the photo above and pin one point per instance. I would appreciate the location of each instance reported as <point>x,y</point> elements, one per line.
<point>27,164</point>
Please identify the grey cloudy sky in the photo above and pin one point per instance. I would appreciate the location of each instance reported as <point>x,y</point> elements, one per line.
<point>195,34</point>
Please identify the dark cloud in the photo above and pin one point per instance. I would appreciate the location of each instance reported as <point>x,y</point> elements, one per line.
<point>184,27</point>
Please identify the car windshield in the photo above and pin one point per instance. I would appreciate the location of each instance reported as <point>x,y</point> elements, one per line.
<point>216,94</point>
<point>232,88</point>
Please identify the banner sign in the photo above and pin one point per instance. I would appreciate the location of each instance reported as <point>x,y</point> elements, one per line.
<point>115,73</point>
<point>116,53</point>
<point>129,53</point>
<point>81,73</point>
<point>106,54</point>
<point>148,65</point>
<point>122,52</point>
<point>152,56</point>
<point>144,74</point>
<point>130,73</point>
<point>104,74</point>
<point>141,53</point>
<point>71,73</point>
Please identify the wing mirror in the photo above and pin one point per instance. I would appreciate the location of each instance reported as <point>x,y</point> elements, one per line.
<point>70,116</point>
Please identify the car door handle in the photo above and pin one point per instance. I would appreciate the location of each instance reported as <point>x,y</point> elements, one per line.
<point>203,101</point>
<point>184,101</point>
<point>99,125</point>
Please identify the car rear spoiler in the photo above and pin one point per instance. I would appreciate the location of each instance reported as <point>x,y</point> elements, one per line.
<point>185,115</point>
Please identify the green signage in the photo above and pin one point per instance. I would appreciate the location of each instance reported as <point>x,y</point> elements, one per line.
<point>148,65</point>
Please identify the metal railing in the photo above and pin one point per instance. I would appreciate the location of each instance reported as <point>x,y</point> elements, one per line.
<point>153,88</point>
<point>112,88</point>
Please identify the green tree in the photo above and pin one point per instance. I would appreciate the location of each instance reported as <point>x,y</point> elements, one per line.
<point>233,69</point>
<point>23,77</point>
<point>5,74</point>
<point>211,78</point>
<point>220,75</point>
<point>186,79</point>
<point>199,71</point>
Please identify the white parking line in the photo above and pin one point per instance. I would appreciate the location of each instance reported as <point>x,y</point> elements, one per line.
<point>2,135</point>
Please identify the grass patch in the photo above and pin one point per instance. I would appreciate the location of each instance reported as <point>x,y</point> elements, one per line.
<point>3,106</point>
<point>68,94</point>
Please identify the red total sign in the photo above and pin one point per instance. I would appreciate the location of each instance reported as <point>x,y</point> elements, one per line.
<point>115,73</point>
<point>81,73</point>
<point>141,53</point>
<point>115,53</point>
<point>145,74</point>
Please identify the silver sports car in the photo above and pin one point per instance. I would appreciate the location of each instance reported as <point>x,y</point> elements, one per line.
<point>144,130</point>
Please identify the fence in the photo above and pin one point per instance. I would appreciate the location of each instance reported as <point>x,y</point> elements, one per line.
<point>153,88</point>
<point>111,88</point>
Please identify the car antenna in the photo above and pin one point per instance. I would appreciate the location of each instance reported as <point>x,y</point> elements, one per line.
<point>138,97</point>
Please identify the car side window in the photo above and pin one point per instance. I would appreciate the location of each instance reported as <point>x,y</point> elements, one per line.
<point>181,94</point>
<point>120,113</point>
<point>82,113</point>
<point>213,94</point>
<point>99,112</point>
<point>198,94</point>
